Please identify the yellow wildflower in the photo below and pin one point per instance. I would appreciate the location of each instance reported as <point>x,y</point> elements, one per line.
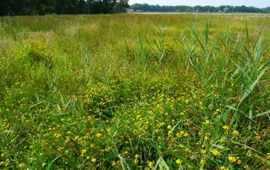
<point>181,146</point>
<point>232,159</point>
<point>76,138</point>
<point>21,165</point>
<point>98,135</point>
<point>202,162</point>
<point>226,127</point>
<point>83,151</point>
<point>93,160</point>
<point>57,135</point>
<point>136,161</point>
<point>258,136</point>
<point>235,133</point>
<point>178,161</point>
<point>182,133</point>
<point>206,138</point>
<point>150,164</point>
<point>206,122</point>
<point>223,168</point>
<point>215,152</point>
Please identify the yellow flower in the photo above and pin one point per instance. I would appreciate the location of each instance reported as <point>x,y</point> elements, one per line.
<point>136,161</point>
<point>202,162</point>
<point>226,127</point>
<point>222,139</point>
<point>215,152</point>
<point>137,156</point>
<point>178,161</point>
<point>161,124</point>
<point>169,127</point>
<point>98,135</point>
<point>206,138</point>
<point>150,164</point>
<point>185,134</point>
<point>21,165</point>
<point>258,136</point>
<point>223,168</point>
<point>76,138</point>
<point>83,151</point>
<point>235,133</point>
<point>92,146</point>
<point>206,122</point>
<point>57,135</point>
<point>182,133</point>
<point>43,164</point>
<point>93,160</point>
<point>232,159</point>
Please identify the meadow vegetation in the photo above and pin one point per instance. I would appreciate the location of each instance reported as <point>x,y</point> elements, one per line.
<point>135,91</point>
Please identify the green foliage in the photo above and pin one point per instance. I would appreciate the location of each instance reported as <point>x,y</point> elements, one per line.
<point>221,9</point>
<point>42,7</point>
<point>134,92</point>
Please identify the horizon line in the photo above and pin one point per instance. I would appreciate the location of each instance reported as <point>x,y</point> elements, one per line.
<point>202,5</point>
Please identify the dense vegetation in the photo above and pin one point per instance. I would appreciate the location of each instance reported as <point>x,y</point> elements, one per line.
<point>41,7</point>
<point>225,9</point>
<point>135,92</point>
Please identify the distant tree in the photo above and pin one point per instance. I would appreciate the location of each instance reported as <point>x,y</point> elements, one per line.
<point>4,7</point>
<point>41,7</point>
<point>156,8</point>
<point>82,5</point>
<point>64,7</point>
<point>266,10</point>
<point>226,9</point>
<point>120,6</point>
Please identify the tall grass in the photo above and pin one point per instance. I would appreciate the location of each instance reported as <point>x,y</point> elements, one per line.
<point>134,92</point>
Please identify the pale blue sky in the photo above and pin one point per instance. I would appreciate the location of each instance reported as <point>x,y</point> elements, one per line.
<point>256,3</point>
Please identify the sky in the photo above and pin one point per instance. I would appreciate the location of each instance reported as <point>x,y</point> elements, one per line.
<point>256,3</point>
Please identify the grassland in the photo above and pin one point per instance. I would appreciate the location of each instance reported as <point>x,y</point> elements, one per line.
<point>178,91</point>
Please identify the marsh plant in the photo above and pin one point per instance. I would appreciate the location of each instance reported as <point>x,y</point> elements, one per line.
<point>135,92</point>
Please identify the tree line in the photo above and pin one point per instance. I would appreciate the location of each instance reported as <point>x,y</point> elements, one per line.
<point>42,7</point>
<point>182,8</point>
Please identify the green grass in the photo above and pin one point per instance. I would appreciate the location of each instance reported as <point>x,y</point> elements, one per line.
<point>135,91</point>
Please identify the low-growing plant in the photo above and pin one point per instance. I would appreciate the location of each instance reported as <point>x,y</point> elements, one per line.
<point>116,92</point>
